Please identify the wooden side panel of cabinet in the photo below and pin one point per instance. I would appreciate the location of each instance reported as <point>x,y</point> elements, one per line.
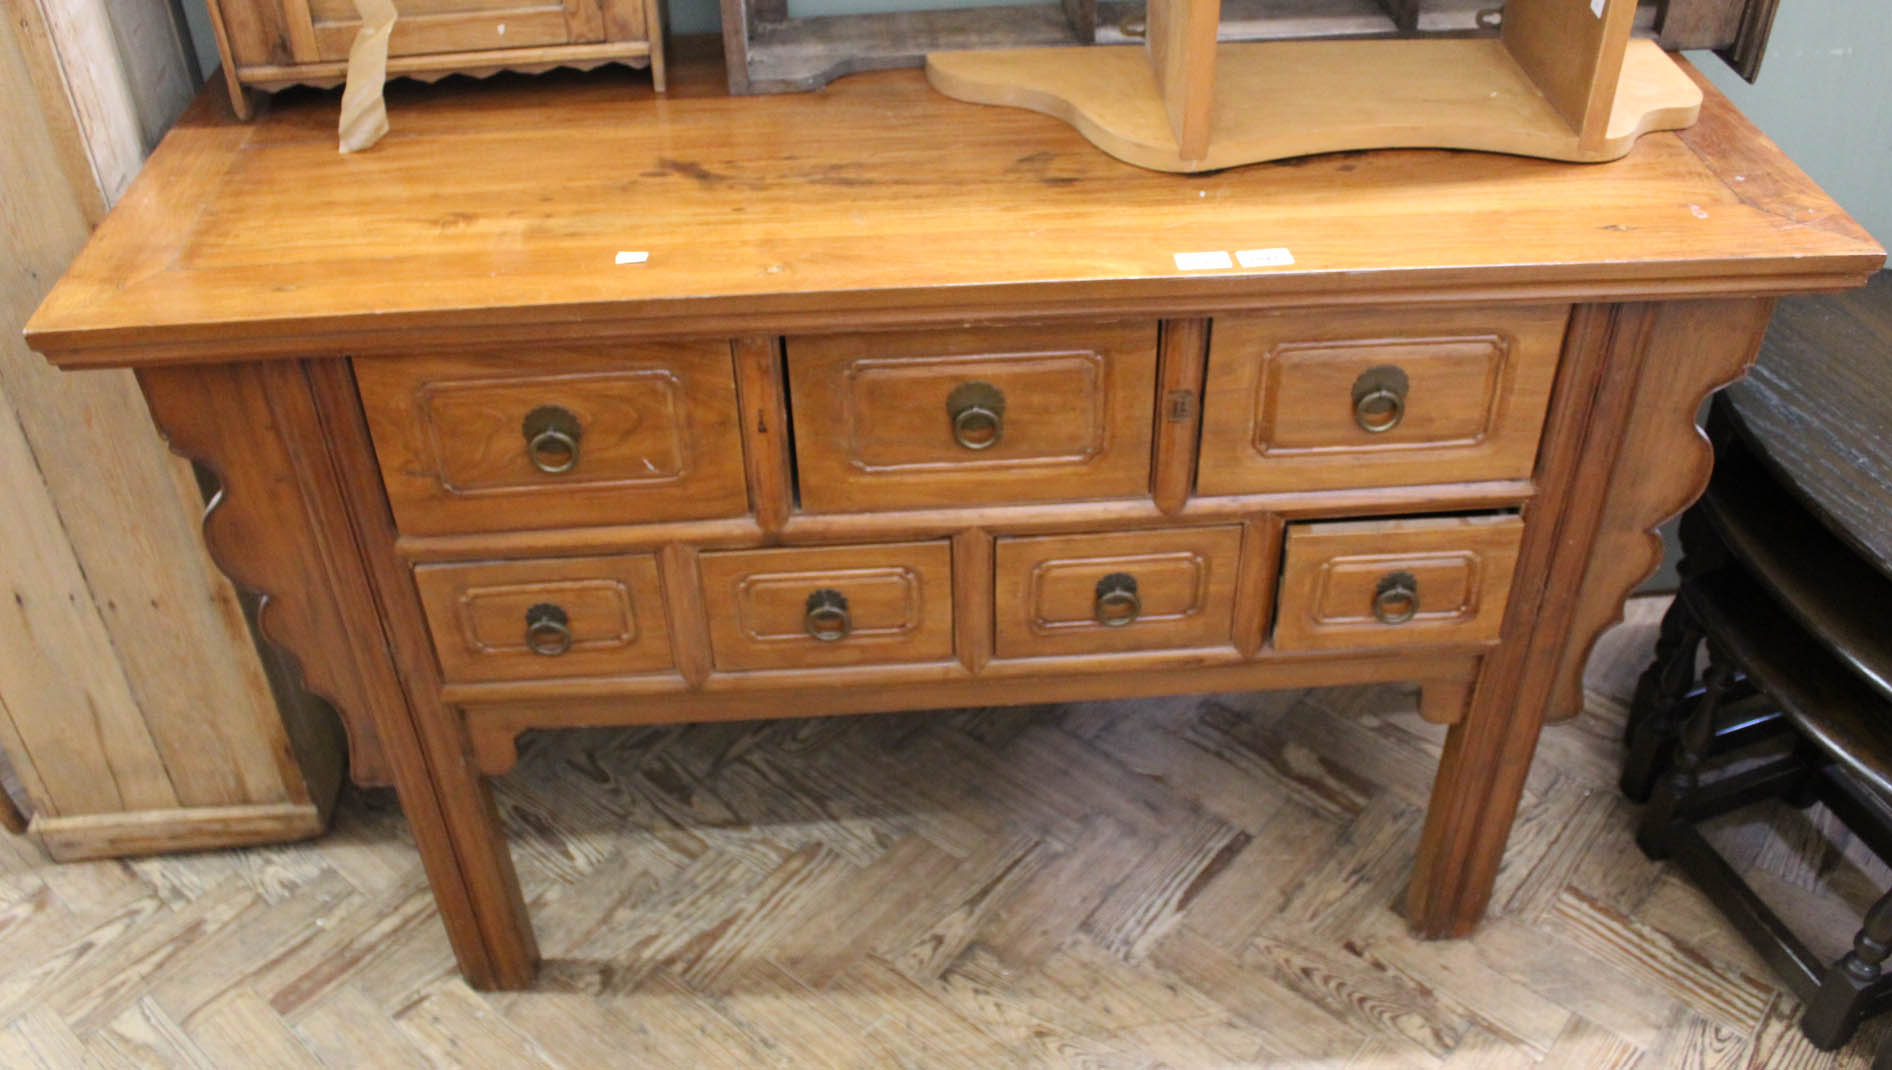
<point>134,708</point>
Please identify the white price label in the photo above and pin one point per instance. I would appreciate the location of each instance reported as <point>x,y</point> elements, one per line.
<point>1214,260</point>
<point>1254,258</point>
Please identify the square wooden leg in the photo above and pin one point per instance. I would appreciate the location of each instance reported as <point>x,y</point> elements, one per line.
<point>492,908</point>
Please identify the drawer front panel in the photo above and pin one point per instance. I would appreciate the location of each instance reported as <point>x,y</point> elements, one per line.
<point>1138,590</point>
<point>485,443</point>
<point>874,604</point>
<point>520,620</point>
<point>1343,399</point>
<point>432,26</point>
<point>1382,583</point>
<point>946,418</point>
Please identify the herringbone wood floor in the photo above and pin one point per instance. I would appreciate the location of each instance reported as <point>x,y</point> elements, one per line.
<point>1185,883</point>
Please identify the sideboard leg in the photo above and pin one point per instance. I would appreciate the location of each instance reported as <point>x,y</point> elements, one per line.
<point>485,861</point>
<point>1610,470</point>
<point>300,519</point>
<point>448,803</point>
<point>1475,793</point>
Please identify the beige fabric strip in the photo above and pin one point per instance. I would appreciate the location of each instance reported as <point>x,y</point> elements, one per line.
<point>364,111</point>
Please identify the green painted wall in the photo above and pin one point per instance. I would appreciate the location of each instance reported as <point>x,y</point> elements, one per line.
<point>1825,95</point>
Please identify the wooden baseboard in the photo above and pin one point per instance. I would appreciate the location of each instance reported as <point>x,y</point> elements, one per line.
<point>146,832</point>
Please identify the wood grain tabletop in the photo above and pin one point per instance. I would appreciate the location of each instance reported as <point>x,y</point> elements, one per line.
<point>506,209</point>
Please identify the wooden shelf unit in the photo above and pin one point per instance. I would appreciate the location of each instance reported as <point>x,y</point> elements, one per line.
<point>1562,80</point>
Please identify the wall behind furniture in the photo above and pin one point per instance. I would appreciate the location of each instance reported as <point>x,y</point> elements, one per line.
<point>1825,95</point>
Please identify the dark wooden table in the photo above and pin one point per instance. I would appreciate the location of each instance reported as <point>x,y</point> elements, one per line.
<point>1787,570</point>
<point>1818,409</point>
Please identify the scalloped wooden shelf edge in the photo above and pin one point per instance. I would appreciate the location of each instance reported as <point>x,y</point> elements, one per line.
<point>1278,99</point>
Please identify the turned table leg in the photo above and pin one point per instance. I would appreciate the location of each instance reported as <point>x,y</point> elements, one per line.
<point>1846,992</point>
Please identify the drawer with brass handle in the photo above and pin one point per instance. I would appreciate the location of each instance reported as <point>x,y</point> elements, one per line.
<point>517,620</point>
<point>919,419</point>
<point>1115,592</point>
<point>560,437</point>
<point>1378,583</point>
<point>829,605</point>
<point>1368,398</point>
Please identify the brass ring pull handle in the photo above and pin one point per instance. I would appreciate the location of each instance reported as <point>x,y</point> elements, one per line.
<point>552,435</point>
<point>827,618</point>
<point>548,630</point>
<point>1135,24</point>
<point>1117,601</point>
<point>1396,599</point>
<point>977,410</point>
<point>1379,399</point>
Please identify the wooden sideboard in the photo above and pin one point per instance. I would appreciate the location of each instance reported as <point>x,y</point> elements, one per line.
<point>560,408</point>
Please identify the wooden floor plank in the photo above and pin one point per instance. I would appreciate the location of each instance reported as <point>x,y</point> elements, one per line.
<point>345,1028</point>
<point>1053,899</point>
<point>144,1035</point>
<point>1354,986</point>
<point>453,1026</point>
<point>239,1028</point>
<point>41,1037</point>
<point>261,934</point>
<point>1572,977</point>
<point>1151,899</point>
<point>1693,1041</point>
<point>1288,1025</point>
<point>1662,961</point>
<point>1502,1009</point>
<point>1583,1045</point>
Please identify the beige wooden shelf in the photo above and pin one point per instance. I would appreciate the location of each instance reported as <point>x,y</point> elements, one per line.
<point>1563,81</point>
<point>1279,99</point>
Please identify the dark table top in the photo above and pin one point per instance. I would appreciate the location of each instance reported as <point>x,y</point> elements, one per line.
<point>1818,409</point>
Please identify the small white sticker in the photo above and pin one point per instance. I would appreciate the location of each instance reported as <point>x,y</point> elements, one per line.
<point>1596,8</point>
<point>1209,261</point>
<point>632,258</point>
<point>1254,258</point>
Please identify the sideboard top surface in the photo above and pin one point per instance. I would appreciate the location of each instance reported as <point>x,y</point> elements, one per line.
<point>503,210</point>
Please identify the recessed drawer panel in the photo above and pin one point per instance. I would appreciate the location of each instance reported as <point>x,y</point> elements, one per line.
<point>1138,590</point>
<point>592,435</point>
<point>1343,399</point>
<point>430,26</point>
<point>1379,583</point>
<point>829,605</point>
<point>515,620</point>
<point>919,419</point>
